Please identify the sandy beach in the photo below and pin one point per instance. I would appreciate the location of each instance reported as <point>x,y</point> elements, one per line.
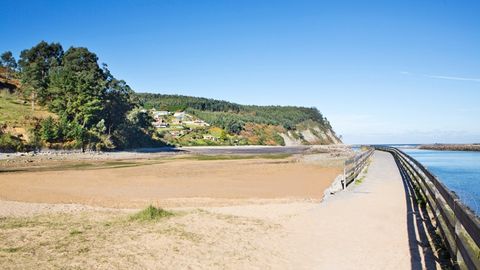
<point>173,183</point>
<point>254,213</point>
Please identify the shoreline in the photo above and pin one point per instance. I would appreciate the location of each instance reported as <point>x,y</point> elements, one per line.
<point>450,147</point>
<point>192,179</point>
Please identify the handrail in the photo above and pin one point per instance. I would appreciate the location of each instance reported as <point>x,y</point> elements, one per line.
<point>355,165</point>
<point>459,226</point>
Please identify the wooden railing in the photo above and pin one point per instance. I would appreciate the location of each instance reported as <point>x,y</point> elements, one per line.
<point>354,165</point>
<point>458,226</point>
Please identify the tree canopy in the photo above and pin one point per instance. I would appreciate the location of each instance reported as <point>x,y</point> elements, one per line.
<point>232,116</point>
<point>35,66</point>
<point>9,63</point>
<point>93,107</point>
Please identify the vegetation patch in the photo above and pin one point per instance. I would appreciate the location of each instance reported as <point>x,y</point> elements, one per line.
<point>151,213</point>
<point>10,250</point>
<point>359,180</point>
<point>75,232</point>
<point>88,108</point>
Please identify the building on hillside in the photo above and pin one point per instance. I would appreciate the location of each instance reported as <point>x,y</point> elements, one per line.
<point>201,123</point>
<point>197,122</point>
<point>160,124</point>
<point>178,118</point>
<point>210,137</point>
<point>179,115</point>
<point>160,114</point>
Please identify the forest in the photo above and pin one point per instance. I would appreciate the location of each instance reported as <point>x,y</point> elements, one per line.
<point>231,116</point>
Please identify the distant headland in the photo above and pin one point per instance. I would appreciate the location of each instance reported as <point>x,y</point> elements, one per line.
<point>451,147</point>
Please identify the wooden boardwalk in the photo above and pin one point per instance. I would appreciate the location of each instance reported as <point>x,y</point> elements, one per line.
<point>372,225</point>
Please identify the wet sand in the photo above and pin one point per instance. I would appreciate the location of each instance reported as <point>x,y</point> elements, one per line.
<point>172,183</point>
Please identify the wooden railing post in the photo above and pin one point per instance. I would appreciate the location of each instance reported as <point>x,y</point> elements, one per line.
<point>458,226</point>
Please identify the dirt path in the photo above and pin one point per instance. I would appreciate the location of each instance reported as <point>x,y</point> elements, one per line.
<point>366,227</point>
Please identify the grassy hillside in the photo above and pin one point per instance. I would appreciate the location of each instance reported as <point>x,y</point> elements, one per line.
<point>15,112</point>
<point>17,121</point>
<point>244,124</point>
<point>228,123</point>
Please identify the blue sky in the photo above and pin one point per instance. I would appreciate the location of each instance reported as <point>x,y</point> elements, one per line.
<point>381,71</point>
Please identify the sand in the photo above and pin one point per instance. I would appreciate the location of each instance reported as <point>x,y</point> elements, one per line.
<point>276,226</point>
<point>172,183</point>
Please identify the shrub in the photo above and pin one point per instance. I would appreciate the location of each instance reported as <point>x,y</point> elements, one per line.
<point>10,143</point>
<point>48,130</point>
<point>151,213</point>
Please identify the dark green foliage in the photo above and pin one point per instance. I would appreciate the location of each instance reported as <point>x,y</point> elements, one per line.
<point>118,100</point>
<point>180,103</point>
<point>92,104</point>
<point>232,116</point>
<point>136,131</point>
<point>48,131</point>
<point>77,86</point>
<point>9,143</point>
<point>35,66</point>
<point>8,62</point>
<point>140,118</point>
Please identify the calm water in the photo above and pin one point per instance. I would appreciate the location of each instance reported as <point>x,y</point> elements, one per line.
<point>459,171</point>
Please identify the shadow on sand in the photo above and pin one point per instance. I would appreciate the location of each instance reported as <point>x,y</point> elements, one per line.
<point>422,236</point>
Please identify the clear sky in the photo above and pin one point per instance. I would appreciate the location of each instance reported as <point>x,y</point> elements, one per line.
<point>380,71</point>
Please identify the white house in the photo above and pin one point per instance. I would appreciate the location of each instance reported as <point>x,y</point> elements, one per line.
<point>179,115</point>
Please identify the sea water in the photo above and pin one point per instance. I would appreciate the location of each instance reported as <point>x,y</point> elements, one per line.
<point>458,170</point>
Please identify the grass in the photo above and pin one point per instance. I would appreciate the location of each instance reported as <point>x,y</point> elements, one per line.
<point>365,172</point>
<point>75,232</point>
<point>10,250</point>
<point>151,213</point>
<point>109,239</point>
<point>19,118</point>
<point>13,111</point>
<point>359,180</point>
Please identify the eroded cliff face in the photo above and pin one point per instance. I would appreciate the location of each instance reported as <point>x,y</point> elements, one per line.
<point>310,133</point>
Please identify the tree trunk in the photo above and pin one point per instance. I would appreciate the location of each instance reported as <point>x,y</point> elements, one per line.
<point>33,101</point>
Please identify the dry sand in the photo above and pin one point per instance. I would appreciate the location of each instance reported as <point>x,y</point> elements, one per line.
<point>364,227</point>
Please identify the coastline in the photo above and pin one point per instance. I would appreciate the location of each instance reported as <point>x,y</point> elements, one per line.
<point>450,147</point>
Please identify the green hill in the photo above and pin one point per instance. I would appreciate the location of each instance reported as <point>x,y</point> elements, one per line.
<point>248,124</point>
<point>64,99</point>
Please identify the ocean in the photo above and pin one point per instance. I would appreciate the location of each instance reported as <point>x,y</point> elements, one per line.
<point>458,170</point>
